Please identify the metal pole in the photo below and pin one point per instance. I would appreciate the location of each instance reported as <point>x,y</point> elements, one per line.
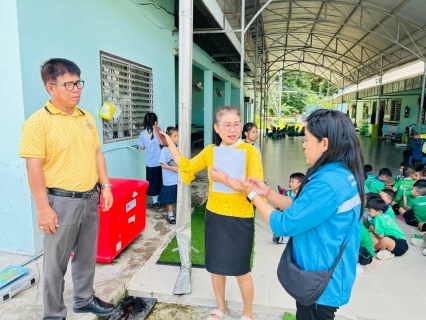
<point>422,100</point>
<point>242,53</point>
<point>256,57</point>
<point>380,97</point>
<point>183,206</point>
<point>280,92</point>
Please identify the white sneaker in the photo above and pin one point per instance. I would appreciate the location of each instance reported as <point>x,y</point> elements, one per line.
<point>384,255</point>
<point>359,268</point>
<point>418,242</point>
<point>424,252</point>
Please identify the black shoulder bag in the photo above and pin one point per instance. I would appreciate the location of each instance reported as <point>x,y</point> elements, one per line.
<point>305,286</point>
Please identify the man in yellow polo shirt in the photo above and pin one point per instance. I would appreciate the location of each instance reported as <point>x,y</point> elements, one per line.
<point>66,173</point>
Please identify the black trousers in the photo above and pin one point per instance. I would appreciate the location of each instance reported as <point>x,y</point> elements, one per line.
<point>315,312</point>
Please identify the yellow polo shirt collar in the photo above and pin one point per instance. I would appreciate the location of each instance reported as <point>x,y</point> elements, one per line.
<point>50,108</point>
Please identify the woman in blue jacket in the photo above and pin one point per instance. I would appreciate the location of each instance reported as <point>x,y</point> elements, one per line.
<point>325,212</point>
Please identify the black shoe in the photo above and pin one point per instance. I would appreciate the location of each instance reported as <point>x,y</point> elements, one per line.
<point>154,205</point>
<point>277,240</point>
<point>171,219</point>
<point>280,190</point>
<point>97,307</point>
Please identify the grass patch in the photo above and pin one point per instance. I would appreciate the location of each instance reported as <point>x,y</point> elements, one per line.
<point>197,228</point>
<point>289,316</point>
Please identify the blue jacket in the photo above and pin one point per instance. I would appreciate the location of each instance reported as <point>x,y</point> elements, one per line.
<point>319,220</point>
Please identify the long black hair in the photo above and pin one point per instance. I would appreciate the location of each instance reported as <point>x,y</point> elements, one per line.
<point>148,122</point>
<point>247,127</point>
<point>343,145</point>
<point>219,113</point>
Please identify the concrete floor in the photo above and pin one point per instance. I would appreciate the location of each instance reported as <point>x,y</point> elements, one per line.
<point>392,289</point>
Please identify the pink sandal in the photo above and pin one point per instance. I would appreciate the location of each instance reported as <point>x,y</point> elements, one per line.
<point>218,313</point>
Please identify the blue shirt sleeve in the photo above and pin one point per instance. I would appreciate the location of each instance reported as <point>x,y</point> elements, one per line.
<point>140,139</point>
<point>163,156</point>
<point>315,204</point>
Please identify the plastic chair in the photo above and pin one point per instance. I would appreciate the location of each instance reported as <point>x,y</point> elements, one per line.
<point>417,153</point>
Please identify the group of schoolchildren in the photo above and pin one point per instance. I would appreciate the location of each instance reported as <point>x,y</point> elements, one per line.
<point>161,171</point>
<point>381,237</point>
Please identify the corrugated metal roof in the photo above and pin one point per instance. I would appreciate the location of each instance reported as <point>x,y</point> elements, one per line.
<point>342,41</point>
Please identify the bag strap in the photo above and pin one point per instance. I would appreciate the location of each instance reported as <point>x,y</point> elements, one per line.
<point>345,243</point>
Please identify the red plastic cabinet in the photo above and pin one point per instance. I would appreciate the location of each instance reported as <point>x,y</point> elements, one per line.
<point>126,219</point>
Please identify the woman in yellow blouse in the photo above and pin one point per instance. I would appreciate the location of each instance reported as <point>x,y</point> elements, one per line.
<point>229,223</point>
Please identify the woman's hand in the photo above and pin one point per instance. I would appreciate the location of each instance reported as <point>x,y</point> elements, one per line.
<point>258,185</point>
<point>239,185</point>
<point>218,176</point>
<point>168,138</point>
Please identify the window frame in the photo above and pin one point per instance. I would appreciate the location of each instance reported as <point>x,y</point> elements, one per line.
<point>129,86</point>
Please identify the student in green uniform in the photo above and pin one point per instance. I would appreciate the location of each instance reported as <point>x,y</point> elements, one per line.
<point>399,176</point>
<point>401,186</point>
<point>414,211</point>
<point>388,195</point>
<point>368,171</point>
<point>366,249</point>
<point>294,184</point>
<point>419,173</point>
<point>376,184</point>
<point>385,233</point>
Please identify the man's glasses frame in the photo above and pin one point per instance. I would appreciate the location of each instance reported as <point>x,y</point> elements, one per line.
<point>69,86</point>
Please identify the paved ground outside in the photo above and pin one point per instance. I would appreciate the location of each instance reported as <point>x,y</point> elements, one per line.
<point>392,289</point>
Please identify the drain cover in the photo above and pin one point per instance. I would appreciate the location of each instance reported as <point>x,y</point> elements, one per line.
<point>133,308</point>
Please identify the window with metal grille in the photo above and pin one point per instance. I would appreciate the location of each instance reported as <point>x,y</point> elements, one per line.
<point>395,110</point>
<point>128,86</point>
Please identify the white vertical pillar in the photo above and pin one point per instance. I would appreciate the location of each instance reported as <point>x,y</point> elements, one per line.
<point>208,106</point>
<point>242,58</point>
<point>183,211</point>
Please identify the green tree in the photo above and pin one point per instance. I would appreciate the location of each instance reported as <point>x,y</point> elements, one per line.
<point>297,89</point>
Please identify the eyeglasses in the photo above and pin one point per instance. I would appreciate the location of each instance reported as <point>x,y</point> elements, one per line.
<point>70,85</point>
<point>227,126</point>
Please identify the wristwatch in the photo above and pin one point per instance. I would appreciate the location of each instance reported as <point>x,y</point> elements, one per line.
<point>251,195</point>
<point>106,185</point>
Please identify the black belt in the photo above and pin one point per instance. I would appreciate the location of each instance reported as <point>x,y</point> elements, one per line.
<point>72,194</point>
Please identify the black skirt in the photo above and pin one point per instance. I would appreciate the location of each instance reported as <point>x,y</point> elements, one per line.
<point>155,178</point>
<point>228,244</point>
<point>168,194</point>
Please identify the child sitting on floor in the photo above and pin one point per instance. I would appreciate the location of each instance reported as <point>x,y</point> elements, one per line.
<point>366,249</point>
<point>414,210</point>
<point>399,176</point>
<point>419,173</point>
<point>368,171</point>
<point>401,186</point>
<point>294,184</point>
<point>388,195</point>
<point>376,184</point>
<point>385,233</point>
